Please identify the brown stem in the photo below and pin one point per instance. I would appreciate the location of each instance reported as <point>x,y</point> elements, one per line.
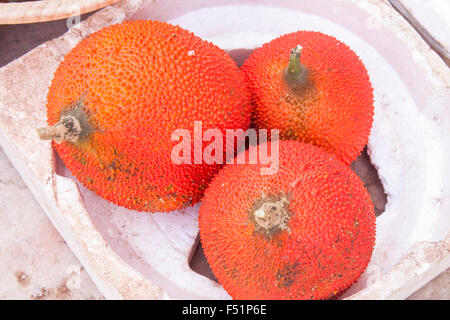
<point>67,129</point>
<point>272,216</point>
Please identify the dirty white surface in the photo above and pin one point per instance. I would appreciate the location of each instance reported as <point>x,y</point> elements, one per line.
<point>412,213</point>
<point>35,261</point>
<point>434,16</point>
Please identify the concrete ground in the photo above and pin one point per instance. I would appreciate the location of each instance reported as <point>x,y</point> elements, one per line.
<point>35,262</point>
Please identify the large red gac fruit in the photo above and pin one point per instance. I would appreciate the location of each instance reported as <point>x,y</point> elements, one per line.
<point>306,232</point>
<point>118,96</point>
<point>313,88</point>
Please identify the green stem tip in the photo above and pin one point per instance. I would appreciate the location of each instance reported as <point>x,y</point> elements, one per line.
<point>295,73</point>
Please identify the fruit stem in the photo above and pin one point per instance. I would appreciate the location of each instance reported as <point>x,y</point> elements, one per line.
<point>295,73</point>
<point>272,216</point>
<point>67,129</point>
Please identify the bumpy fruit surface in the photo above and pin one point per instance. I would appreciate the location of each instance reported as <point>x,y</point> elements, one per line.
<point>306,232</point>
<point>130,86</point>
<point>313,88</point>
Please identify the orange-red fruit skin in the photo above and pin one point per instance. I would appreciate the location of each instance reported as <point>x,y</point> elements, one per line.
<point>331,236</point>
<point>334,113</point>
<point>141,81</point>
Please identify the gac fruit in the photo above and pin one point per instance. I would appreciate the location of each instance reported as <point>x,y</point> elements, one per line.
<point>118,96</point>
<point>314,89</point>
<point>306,232</point>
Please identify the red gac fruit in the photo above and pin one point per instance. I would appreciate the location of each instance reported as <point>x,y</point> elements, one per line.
<point>306,232</point>
<point>121,93</point>
<point>313,88</point>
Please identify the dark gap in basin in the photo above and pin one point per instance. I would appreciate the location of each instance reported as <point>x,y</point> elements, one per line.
<point>362,166</point>
<point>240,55</point>
<point>199,264</point>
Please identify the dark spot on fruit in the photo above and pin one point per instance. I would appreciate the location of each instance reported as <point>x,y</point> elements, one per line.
<point>287,275</point>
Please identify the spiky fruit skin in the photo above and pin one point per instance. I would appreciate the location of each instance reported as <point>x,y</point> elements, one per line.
<point>333,110</point>
<point>330,235</point>
<point>138,82</point>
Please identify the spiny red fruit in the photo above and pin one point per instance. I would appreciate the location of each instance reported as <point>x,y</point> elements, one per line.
<point>306,232</point>
<point>130,86</point>
<point>321,96</point>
